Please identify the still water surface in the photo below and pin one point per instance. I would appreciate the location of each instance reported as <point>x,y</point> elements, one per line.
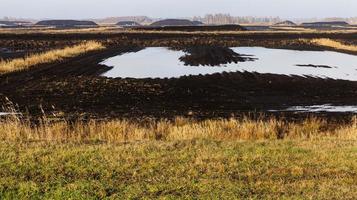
<point>328,108</point>
<point>161,62</point>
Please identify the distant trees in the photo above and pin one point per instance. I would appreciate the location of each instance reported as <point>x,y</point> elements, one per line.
<point>228,19</point>
<point>351,20</point>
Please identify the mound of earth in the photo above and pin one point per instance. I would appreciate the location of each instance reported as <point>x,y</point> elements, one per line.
<point>285,23</point>
<point>176,22</point>
<point>7,23</point>
<point>66,23</point>
<point>128,23</point>
<point>212,56</point>
<point>326,24</point>
<point>14,23</point>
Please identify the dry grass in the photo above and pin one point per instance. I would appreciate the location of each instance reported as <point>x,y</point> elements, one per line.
<point>48,57</point>
<point>180,159</point>
<point>334,44</point>
<point>183,159</point>
<point>117,131</point>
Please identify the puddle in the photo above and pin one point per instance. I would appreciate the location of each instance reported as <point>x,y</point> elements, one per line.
<point>161,62</point>
<point>158,62</point>
<point>4,113</point>
<point>321,108</point>
<point>5,50</point>
<point>316,66</point>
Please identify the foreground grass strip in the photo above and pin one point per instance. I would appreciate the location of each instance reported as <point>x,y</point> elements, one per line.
<point>180,159</point>
<point>334,44</point>
<point>187,169</point>
<point>48,57</point>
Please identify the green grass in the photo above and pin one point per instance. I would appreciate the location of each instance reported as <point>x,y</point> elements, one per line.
<point>185,169</point>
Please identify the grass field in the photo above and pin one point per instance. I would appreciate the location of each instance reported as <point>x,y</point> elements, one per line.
<point>185,169</point>
<point>184,159</point>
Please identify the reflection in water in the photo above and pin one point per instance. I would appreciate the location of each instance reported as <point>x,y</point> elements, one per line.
<point>4,50</point>
<point>316,66</point>
<point>159,62</point>
<point>5,113</point>
<point>321,108</point>
<point>212,56</point>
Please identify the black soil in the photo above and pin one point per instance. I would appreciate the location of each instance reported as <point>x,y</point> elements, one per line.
<point>65,23</point>
<point>285,23</point>
<point>75,86</point>
<point>176,22</point>
<point>332,23</point>
<point>212,56</point>
<point>193,28</point>
<point>316,66</point>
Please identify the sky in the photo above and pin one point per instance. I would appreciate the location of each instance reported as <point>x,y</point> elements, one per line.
<point>82,9</point>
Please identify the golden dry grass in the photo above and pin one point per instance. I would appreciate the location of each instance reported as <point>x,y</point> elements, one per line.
<point>117,131</point>
<point>48,57</point>
<point>334,44</point>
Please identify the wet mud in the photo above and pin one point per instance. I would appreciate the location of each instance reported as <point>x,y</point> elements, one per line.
<point>74,88</point>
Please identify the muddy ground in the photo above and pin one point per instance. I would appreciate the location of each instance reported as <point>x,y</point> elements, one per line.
<point>74,88</point>
<point>212,56</point>
<point>191,28</point>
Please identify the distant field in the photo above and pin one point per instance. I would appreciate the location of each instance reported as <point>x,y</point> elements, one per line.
<point>182,30</point>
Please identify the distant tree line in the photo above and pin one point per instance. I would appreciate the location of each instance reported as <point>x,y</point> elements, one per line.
<point>208,19</point>
<point>228,19</point>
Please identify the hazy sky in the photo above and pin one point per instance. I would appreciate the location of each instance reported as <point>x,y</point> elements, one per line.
<point>176,8</point>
